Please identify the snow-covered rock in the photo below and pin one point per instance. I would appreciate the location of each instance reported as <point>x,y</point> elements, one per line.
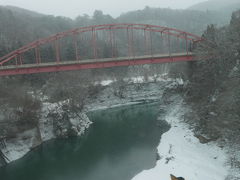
<point>80,123</point>
<point>17,147</point>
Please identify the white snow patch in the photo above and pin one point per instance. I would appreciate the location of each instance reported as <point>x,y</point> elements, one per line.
<point>183,155</point>
<point>17,147</point>
<point>80,123</point>
<point>105,82</point>
<point>139,79</point>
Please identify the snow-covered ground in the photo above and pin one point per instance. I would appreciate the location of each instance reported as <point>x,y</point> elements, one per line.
<point>181,154</point>
<point>19,146</point>
<point>151,90</point>
<point>139,79</point>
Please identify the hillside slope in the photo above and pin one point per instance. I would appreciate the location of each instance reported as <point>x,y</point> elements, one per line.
<point>224,6</point>
<point>213,90</point>
<point>188,20</point>
<point>19,26</point>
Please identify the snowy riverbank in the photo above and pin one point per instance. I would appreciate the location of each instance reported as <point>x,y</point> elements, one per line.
<point>150,90</point>
<point>48,128</point>
<point>182,154</point>
<point>52,124</point>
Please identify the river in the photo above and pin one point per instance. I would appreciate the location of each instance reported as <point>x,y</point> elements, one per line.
<point>119,144</point>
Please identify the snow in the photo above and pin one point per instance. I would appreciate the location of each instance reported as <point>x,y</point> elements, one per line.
<point>140,79</point>
<point>105,82</point>
<point>80,123</point>
<point>17,147</point>
<point>107,99</point>
<point>183,155</point>
<point>46,124</point>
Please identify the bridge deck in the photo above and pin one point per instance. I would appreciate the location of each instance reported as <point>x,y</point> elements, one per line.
<point>93,63</point>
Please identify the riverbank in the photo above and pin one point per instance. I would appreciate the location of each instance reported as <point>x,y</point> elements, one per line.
<point>52,123</point>
<point>113,148</point>
<point>183,155</point>
<point>55,122</point>
<point>180,151</point>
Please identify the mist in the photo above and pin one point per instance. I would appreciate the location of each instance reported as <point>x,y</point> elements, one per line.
<point>73,8</point>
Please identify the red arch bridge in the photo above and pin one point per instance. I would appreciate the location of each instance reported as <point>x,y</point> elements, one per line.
<point>101,46</point>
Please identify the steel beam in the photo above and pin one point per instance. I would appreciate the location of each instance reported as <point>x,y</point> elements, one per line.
<point>105,63</point>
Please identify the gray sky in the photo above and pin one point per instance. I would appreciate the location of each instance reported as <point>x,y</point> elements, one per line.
<point>72,8</point>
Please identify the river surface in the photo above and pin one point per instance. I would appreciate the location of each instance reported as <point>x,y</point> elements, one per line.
<point>119,144</point>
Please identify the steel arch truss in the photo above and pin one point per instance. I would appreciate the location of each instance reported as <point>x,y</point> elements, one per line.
<point>16,57</point>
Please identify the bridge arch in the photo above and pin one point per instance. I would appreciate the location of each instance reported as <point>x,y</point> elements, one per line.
<point>149,33</point>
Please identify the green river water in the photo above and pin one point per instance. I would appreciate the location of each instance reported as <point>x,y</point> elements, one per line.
<point>119,144</point>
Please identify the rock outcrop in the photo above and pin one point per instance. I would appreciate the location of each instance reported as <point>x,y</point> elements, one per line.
<point>54,122</point>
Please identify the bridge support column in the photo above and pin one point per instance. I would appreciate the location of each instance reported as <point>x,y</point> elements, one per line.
<point>76,46</point>
<point>169,44</point>
<point>37,55</point>
<point>94,43</point>
<point>57,51</point>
